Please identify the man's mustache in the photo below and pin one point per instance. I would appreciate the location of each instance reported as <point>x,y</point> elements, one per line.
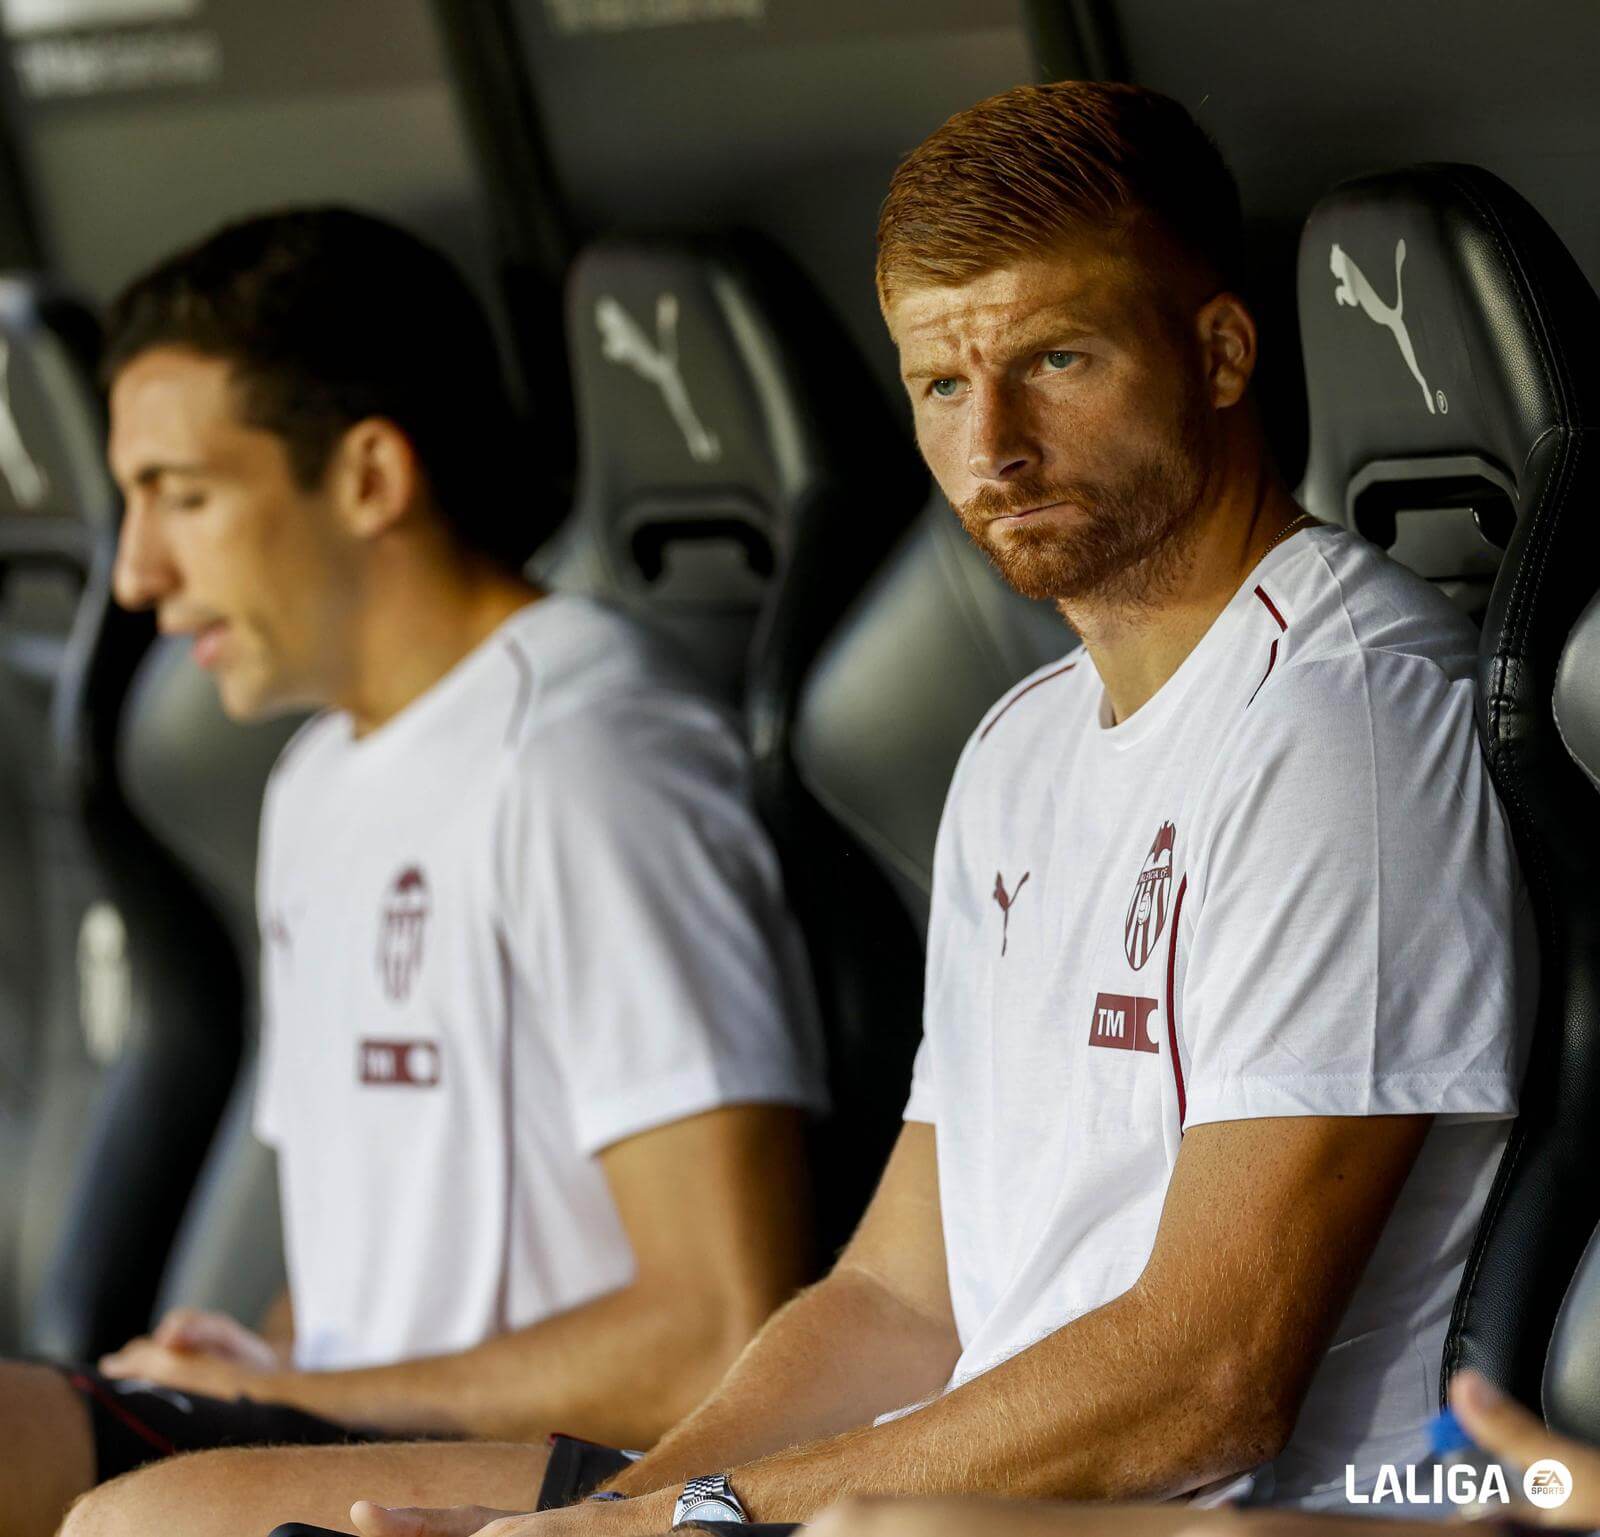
<point>991,502</point>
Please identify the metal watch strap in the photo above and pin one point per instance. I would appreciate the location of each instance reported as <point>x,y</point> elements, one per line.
<point>713,1489</point>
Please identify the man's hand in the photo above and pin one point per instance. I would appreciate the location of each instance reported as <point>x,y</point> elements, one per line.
<point>455,1521</point>
<point>197,1352</point>
<point>194,1331</point>
<point>1505,1429</point>
<point>582,1520</point>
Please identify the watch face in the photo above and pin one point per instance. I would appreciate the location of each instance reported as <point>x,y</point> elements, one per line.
<point>708,1510</point>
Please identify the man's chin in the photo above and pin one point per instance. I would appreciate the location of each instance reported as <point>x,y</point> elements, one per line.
<point>246,701</point>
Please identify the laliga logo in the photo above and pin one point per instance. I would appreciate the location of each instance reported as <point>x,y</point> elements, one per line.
<point>1546,1484</point>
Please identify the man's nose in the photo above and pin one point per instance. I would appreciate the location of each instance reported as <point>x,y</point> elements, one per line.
<point>1000,443</point>
<point>142,574</point>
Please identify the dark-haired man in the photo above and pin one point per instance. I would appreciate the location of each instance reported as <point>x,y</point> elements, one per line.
<point>1216,1068</point>
<point>537,1034</point>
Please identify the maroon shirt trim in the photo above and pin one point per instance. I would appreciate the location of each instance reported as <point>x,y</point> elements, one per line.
<point>1172,1020</point>
<point>1272,656</point>
<point>1020,692</point>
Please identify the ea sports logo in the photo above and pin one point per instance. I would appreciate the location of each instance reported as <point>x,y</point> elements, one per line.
<point>1147,912</point>
<point>405,919</point>
<point>1547,1483</point>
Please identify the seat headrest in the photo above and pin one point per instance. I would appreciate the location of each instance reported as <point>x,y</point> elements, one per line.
<point>52,424</point>
<point>715,396</point>
<point>1437,311</point>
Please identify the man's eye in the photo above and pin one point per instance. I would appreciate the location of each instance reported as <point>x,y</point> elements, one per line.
<point>944,388</point>
<point>1055,362</point>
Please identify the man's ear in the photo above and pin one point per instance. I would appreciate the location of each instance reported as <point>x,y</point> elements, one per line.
<point>375,477</point>
<point>1227,335</point>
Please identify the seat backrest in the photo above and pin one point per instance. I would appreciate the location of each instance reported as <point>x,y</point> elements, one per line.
<point>934,639</point>
<point>139,1060</point>
<point>57,515</point>
<point>1453,384</point>
<point>740,475</point>
<point>196,780</point>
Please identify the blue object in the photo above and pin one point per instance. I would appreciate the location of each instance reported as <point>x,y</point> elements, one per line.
<point>1446,1435</point>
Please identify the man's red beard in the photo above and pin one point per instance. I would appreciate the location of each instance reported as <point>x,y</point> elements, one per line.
<point>1119,543</point>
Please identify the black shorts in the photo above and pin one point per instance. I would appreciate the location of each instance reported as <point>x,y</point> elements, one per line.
<point>576,1469</point>
<point>138,1422</point>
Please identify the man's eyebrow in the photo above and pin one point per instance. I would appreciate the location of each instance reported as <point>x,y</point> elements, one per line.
<point>149,474</point>
<point>1027,336</point>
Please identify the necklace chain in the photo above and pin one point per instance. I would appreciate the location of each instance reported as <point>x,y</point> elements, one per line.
<point>1285,531</point>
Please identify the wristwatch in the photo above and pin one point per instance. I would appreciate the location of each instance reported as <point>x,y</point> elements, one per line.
<point>707,1499</point>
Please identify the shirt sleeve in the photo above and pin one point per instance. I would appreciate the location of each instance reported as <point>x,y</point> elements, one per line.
<point>920,1104</point>
<point>645,902</point>
<point>1352,944</point>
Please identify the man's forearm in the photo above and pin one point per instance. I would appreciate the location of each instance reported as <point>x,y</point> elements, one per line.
<point>1091,1412</point>
<point>620,1369</point>
<point>840,1354</point>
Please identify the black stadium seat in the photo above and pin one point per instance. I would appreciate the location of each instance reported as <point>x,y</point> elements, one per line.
<point>57,517</point>
<point>1454,383</point>
<point>925,650</point>
<point>739,477</point>
<point>195,779</point>
<point>131,1073</point>
<point>931,643</point>
<point>1572,1369</point>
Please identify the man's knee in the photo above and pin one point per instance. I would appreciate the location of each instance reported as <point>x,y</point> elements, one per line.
<point>48,1455</point>
<point>162,1497</point>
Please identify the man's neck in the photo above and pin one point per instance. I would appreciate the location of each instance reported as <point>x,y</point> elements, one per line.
<point>418,619</point>
<point>1137,645</point>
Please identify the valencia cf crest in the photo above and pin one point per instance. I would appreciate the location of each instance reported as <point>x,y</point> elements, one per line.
<point>1147,912</point>
<point>405,917</point>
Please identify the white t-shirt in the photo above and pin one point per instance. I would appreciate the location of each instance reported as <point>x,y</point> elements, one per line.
<point>528,917</point>
<point>1283,887</point>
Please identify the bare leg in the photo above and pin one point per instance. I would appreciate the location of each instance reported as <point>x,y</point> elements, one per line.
<point>247,1493</point>
<point>46,1449</point>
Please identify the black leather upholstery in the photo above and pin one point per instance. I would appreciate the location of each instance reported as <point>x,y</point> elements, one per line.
<point>931,643</point>
<point>1572,1368</point>
<point>738,517</point>
<point>132,1073</point>
<point>1498,433</point>
<point>1577,695</point>
<point>935,640</point>
<point>196,780</point>
<point>1572,1371</point>
<point>55,517</point>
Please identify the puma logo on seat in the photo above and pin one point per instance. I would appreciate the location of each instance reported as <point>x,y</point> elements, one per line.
<point>623,341</point>
<point>1354,289</point>
<point>1005,899</point>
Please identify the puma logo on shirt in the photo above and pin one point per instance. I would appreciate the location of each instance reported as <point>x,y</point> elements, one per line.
<point>1005,900</point>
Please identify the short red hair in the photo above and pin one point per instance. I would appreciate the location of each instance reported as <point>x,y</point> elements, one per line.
<point>1036,165</point>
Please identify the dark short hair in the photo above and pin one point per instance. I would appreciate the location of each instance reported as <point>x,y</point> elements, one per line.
<point>328,317</point>
<point>1027,169</point>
